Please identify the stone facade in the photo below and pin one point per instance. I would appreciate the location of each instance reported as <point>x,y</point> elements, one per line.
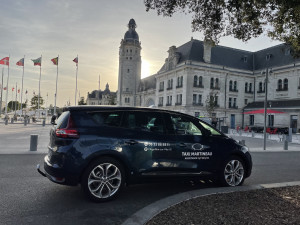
<point>194,71</point>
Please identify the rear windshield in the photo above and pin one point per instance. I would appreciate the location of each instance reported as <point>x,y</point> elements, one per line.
<point>62,121</point>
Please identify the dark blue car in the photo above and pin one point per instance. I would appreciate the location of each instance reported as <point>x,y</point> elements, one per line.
<point>104,148</point>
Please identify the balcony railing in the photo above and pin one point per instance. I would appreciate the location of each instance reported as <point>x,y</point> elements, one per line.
<point>169,88</point>
<point>179,86</point>
<point>197,104</point>
<point>215,88</point>
<point>160,90</point>
<point>198,86</point>
<point>261,91</point>
<point>178,103</point>
<point>233,90</point>
<point>281,89</point>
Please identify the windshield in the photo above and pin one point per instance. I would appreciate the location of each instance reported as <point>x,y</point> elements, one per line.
<point>211,129</point>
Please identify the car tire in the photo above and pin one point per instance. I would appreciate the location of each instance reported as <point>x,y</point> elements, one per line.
<point>232,172</point>
<point>103,179</point>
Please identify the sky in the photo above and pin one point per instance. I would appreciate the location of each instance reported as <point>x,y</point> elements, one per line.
<point>93,30</point>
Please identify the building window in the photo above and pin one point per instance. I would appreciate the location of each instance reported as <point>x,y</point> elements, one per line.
<point>246,87</point>
<point>200,81</point>
<point>170,100</point>
<point>230,85</point>
<point>217,83</point>
<point>211,83</point>
<point>250,87</point>
<point>246,101</point>
<point>245,59</point>
<point>260,87</point>
<point>195,81</point>
<point>251,122</point>
<point>229,102</point>
<point>271,120</point>
<point>199,99</point>
<point>179,82</point>
<point>130,58</point>
<point>216,101</point>
<point>161,86</point>
<point>279,85</point>
<point>128,70</point>
<point>161,101</point>
<point>235,86</point>
<point>268,57</point>
<point>194,99</point>
<point>127,100</point>
<point>170,84</point>
<point>179,99</point>
<point>234,103</point>
<point>285,84</point>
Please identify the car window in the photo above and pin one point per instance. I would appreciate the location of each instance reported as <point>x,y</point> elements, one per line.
<point>96,119</point>
<point>182,125</point>
<point>211,129</point>
<point>62,121</point>
<point>145,121</point>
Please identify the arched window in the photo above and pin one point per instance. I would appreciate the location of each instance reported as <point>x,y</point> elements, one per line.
<point>235,86</point>
<point>217,83</point>
<point>200,81</point>
<point>246,87</point>
<point>195,80</point>
<point>285,84</point>
<point>211,83</point>
<point>279,85</point>
<point>230,85</point>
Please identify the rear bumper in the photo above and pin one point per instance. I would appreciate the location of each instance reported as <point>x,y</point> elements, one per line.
<point>57,174</point>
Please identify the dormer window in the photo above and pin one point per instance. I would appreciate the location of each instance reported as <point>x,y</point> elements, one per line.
<point>245,58</point>
<point>287,51</point>
<point>268,56</point>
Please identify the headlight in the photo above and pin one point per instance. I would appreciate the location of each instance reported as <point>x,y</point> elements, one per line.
<point>244,149</point>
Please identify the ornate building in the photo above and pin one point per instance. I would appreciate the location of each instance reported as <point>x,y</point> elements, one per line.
<point>98,97</point>
<point>196,70</point>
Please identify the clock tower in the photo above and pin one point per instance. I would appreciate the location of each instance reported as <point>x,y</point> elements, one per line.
<point>129,67</point>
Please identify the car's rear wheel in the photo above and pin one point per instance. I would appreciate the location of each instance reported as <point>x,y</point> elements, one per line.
<point>232,172</point>
<point>103,179</point>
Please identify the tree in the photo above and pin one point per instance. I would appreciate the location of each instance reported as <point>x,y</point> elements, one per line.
<point>34,102</point>
<point>280,19</point>
<point>12,105</point>
<point>81,101</point>
<point>211,103</point>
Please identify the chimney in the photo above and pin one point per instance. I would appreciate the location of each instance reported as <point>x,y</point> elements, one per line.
<point>207,44</point>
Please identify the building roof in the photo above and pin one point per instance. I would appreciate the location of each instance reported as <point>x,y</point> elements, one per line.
<point>294,103</point>
<point>236,58</point>
<point>131,34</point>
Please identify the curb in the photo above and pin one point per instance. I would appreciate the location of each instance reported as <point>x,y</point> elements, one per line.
<point>147,213</point>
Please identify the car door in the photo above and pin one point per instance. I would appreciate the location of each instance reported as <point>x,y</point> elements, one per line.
<point>145,144</point>
<point>196,149</point>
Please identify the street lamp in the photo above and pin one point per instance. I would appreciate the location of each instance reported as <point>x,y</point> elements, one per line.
<point>267,72</point>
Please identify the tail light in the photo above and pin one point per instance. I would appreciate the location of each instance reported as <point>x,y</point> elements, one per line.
<point>69,132</point>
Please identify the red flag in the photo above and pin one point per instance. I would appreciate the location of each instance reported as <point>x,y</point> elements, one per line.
<point>18,90</point>
<point>5,61</point>
<point>75,60</point>
<point>55,60</point>
<point>37,62</point>
<point>4,88</point>
<point>12,89</point>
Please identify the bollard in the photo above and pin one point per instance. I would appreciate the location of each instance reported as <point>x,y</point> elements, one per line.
<point>12,120</point>
<point>286,145</point>
<point>25,122</point>
<point>44,122</point>
<point>240,132</point>
<point>290,137</point>
<point>28,121</point>
<point>253,134</point>
<point>6,121</point>
<point>33,142</point>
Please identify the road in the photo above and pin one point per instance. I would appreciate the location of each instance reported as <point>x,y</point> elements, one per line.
<point>28,198</point>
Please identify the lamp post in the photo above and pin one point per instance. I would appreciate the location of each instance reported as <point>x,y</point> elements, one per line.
<point>266,104</point>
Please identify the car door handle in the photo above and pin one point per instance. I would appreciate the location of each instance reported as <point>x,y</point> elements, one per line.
<point>131,142</point>
<point>182,145</point>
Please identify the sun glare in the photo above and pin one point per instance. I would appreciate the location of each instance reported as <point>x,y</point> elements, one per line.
<point>145,68</point>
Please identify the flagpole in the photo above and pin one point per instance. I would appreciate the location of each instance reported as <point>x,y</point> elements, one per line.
<point>16,98</point>
<point>22,87</point>
<point>56,86</point>
<point>39,88</point>
<point>1,92</point>
<point>7,88</point>
<point>76,81</point>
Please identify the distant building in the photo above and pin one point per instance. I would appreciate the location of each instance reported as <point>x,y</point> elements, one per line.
<point>98,97</point>
<point>194,70</point>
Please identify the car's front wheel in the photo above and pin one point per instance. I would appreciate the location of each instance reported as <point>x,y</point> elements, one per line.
<point>232,172</point>
<point>103,179</point>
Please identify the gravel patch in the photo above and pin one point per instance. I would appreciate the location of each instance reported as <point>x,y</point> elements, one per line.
<point>264,206</point>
